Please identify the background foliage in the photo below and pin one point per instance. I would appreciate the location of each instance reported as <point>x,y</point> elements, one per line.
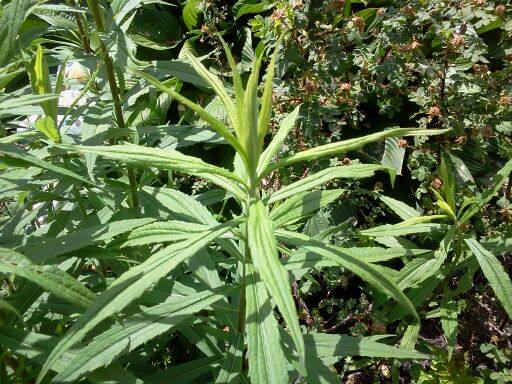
<point>130,264</point>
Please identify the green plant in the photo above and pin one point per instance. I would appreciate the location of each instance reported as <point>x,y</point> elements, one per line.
<point>233,284</point>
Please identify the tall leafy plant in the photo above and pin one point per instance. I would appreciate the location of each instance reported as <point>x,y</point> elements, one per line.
<point>258,287</point>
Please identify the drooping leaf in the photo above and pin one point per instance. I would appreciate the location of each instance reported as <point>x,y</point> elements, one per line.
<point>494,273</point>
<point>49,277</point>
<point>131,285</point>
<point>136,330</point>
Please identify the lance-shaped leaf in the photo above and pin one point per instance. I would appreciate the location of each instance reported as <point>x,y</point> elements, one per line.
<point>131,285</point>
<point>164,159</point>
<point>216,85</point>
<point>266,99</point>
<point>41,84</point>
<point>35,347</point>
<point>136,330</point>
<point>186,372</point>
<point>401,209</point>
<point>263,247</point>
<point>477,203</point>
<point>14,156</point>
<point>323,176</point>
<point>348,145</point>
<point>12,105</point>
<point>285,126</point>
<point>267,363</point>
<point>419,224</point>
<point>448,312</point>
<point>231,368</point>
<point>302,205</point>
<point>325,345</point>
<point>495,274</point>
<point>51,247</point>
<point>214,123</point>
<point>13,15</point>
<point>49,277</point>
<point>366,271</point>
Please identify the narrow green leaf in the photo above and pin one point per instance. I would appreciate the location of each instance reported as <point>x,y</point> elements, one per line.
<point>5,305</point>
<point>285,126</point>
<point>323,176</point>
<point>267,363</point>
<point>266,99</point>
<point>366,271</point>
<point>214,123</point>
<point>216,85</point>
<point>130,286</point>
<point>9,151</point>
<point>41,83</point>
<point>343,346</point>
<point>494,273</point>
<point>303,204</point>
<point>49,277</point>
<point>50,247</point>
<point>448,311</point>
<point>231,368</point>
<point>164,159</point>
<point>402,229</point>
<point>348,145</point>
<point>136,330</point>
<point>476,204</point>
<point>186,372</point>
<point>401,209</point>
<point>263,247</point>
<point>14,14</point>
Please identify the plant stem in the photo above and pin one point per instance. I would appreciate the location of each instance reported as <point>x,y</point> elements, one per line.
<point>112,82</point>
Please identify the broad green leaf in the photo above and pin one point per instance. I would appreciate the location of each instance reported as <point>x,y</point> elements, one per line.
<point>366,271</point>
<point>401,209</point>
<point>494,273</point>
<point>323,176</point>
<point>130,286</point>
<point>449,323</point>
<point>267,363</point>
<point>214,123</point>
<point>448,175</point>
<point>136,330</point>
<point>49,277</point>
<point>477,203</point>
<point>164,159</point>
<point>245,7</point>
<point>49,248</point>
<point>186,372</point>
<point>191,13</point>
<point>394,154</point>
<point>264,254</point>
<point>347,145</point>
<point>303,204</point>
<point>324,344</point>
<point>285,126</point>
<point>231,368</point>
<point>22,158</point>
<point>47,126</point>
<point>182,70</point>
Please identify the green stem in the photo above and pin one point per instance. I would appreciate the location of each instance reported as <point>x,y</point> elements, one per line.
<point>112,82</point>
